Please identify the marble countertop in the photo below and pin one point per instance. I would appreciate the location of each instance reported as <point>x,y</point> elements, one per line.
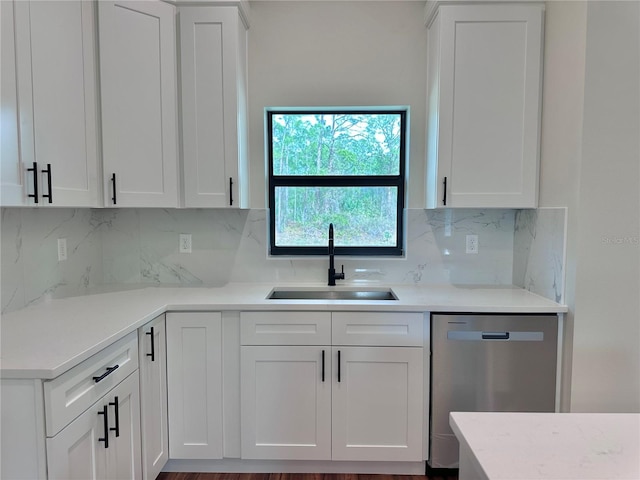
<point>45,340</point>
<point>548,446</point>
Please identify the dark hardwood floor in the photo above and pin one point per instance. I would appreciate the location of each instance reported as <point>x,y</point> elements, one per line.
<point>296,476</point>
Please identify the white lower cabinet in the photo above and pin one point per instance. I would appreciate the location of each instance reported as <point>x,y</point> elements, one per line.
<point>340,402</point>
<point>377,404</point>
<point>103,442</point>
<point>194,384</point>
<point>286,402</point>
<point>153,397</point>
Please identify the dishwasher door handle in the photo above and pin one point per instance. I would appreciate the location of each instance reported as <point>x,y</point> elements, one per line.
<point>495,335</point>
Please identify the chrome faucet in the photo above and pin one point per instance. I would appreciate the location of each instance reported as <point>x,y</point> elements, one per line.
<point>333,276</point>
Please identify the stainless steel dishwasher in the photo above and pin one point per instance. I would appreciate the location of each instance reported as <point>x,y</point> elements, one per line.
<point>488,363</point>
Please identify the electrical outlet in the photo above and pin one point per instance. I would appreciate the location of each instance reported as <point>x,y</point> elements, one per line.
<point>62,249</point>
<point>472,243</point>
<point>185,243</point>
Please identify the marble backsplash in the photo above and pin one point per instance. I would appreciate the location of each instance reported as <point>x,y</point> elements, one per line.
<point>140,247</point>
<point>539,251</point>
<point>30,271</point>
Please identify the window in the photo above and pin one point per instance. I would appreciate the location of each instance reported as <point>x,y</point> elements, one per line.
<point>345,167</point>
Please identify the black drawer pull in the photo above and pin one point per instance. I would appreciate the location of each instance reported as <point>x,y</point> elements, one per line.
<point>105,439</point>
<point>338,365</point>
<point>153,349</point>
<point>116,406</point>
<point>109,371</point>
<point>230,190</point>
<point>323,365</point>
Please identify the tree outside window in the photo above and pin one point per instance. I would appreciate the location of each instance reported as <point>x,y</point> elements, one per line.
<point>345,167</point>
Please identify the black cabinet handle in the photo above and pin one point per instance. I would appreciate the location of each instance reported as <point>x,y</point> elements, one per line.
<point>50,194</point>
<point>105,439</point>
<point>109,371</point>
<point>323,365</point>
<point>153,349</point>
<point>34,169</point>
<point>113,182</point>
<point>116,406</point>
<point>444,197</point>
<point>338,365</point>
<point>230,190</point>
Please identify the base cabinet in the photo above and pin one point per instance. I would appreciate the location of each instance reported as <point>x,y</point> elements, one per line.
<point>194,384</point>
<point>377,404</point>
<point>103,442</point>
<point>332,402</point>
<point>153,397</point>
<point>286,402</point>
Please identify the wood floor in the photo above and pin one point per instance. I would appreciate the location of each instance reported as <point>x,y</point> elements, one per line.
<point>295,476</point>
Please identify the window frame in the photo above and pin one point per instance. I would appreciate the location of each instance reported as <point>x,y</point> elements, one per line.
<point>398,181</point>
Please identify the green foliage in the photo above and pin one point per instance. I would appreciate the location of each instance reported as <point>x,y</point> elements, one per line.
<point>336,144</point>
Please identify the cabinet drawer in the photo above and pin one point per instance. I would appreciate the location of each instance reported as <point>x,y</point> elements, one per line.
<point>70,394</point>
<point>377,329</point>
<point>285,328</point>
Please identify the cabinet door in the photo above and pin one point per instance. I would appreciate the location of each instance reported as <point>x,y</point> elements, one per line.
<point>377,403</point>
<point>12,175</point>
<point>76,452</point>
<point>213,59</point>
<point>139,116</point>
<point>484,106</point>
<point>286,402</point>
<point>124,452</point>
<point>153,397</point>
<point>55,77</point>
<point>57,92</point>
<point>194,385</point>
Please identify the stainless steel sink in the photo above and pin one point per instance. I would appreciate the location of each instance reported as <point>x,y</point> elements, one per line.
<point>331,294</point>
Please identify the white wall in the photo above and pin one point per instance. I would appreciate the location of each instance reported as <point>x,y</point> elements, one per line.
<point>590,162</point>
<point>561,140</point>
<point>337,53</point>
<point>606,344</point>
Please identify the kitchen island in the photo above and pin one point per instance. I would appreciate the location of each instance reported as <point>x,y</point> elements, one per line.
<point>548,446</point>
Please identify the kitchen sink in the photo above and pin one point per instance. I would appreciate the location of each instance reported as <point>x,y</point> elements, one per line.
<point>331,294</point>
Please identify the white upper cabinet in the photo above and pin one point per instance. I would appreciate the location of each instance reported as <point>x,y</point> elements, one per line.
<point>213,56</point>
<point>49,99</point>
<point>484,96</point>
<point>12,178</point>
<point>139,103</point>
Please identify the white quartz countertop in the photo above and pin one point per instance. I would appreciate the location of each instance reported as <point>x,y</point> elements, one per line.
<point>45,340</point>
<point>549,446</point>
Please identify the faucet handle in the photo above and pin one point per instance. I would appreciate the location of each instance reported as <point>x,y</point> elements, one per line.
<point>340,276</point>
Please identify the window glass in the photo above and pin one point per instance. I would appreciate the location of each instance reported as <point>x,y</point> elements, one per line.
<point>345,167</point>
<point>336,144</point>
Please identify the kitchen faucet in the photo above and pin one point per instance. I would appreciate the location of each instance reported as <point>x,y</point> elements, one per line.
<point>333,276</point>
